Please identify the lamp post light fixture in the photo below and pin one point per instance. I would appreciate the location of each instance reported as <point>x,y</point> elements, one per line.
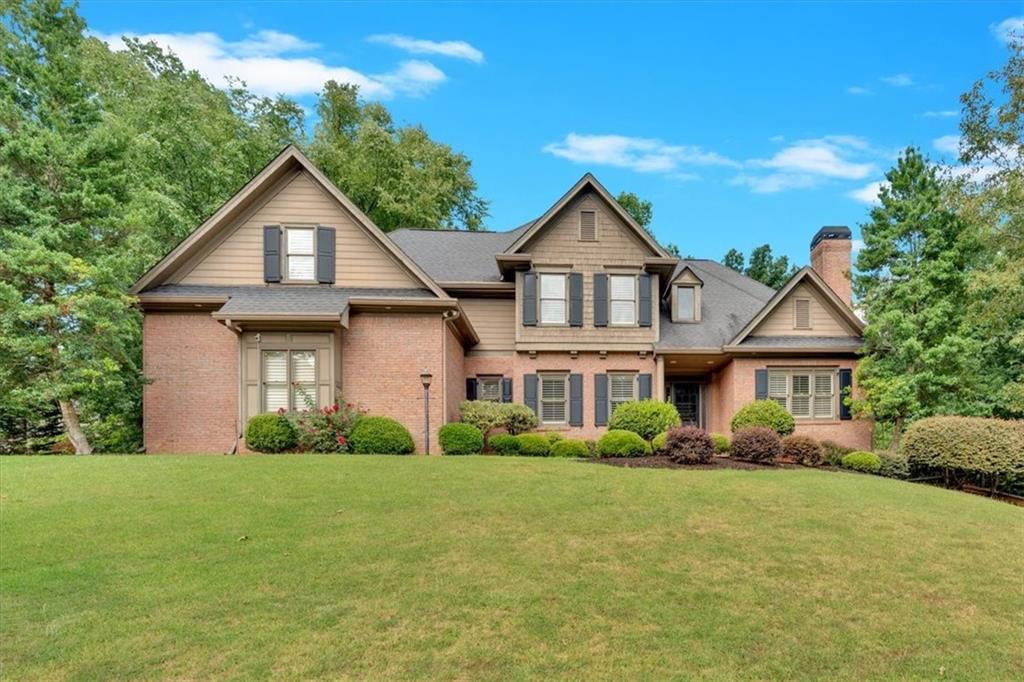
<point>425,377</point>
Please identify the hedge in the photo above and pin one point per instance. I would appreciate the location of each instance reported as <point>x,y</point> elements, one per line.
<point>764,413</point>
<point>461,439</point>
<point>861,460</point>
<point>505,444</point>
<point>659,441</point>
<point>646,418</point>
<point>380,436</point>
<point>689,445</point>
<point>270,433</point>
<point>533,445</point>
<point>621,443</point>
<point>570,447</point>
<point>755,443</point>
<point>972,445</point>
<point>803,450</point>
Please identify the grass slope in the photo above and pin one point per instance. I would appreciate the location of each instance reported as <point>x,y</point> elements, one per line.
<point>498,568</point>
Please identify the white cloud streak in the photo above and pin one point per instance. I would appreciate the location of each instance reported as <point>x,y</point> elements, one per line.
<point>899,80</point>
<point>449,48</point>
<point>807,163</point>
<point>640,154</point>
<point>868,194</point>
<point>271,63</point>
<point>1008,28</point>
<point>944,113</point>
<point>858,90</point>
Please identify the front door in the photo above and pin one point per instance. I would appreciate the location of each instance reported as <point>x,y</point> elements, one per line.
<point>686,397</point>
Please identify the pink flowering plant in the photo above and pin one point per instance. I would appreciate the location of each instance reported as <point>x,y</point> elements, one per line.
<point>324,429</point>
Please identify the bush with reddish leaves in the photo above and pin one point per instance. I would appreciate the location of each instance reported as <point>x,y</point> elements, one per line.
<point>802,450</point>
<point>325,429</point>
<point>689,445</point>
<point>755,444</point>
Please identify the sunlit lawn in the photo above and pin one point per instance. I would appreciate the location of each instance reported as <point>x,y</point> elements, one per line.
<point>496,568</point>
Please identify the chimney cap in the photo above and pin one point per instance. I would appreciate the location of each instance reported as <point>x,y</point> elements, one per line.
<point>831,232</point>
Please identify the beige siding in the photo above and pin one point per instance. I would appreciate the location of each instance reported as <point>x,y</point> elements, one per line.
<point>824,320</point>
<point>238,259</point>
<point>494,320</point>
<point>558,248</point>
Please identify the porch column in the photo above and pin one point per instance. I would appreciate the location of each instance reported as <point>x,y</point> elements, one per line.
<point>659,377</point>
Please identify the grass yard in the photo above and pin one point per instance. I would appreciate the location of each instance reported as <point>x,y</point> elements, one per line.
<point>497,568</point>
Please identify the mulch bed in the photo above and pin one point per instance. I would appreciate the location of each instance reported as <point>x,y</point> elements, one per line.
<point>662,462</point>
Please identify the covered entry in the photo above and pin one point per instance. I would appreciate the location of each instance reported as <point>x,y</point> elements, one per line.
<point>688,398</point>
<point>686,381</point>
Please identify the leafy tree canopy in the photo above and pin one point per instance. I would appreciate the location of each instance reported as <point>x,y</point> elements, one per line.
<point>763,267</point>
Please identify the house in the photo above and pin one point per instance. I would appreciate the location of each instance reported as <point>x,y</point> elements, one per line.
<point>290,296</point>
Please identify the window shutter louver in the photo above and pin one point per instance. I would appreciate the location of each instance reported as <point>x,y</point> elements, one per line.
<point>588,226</point>
<point>471,389</point>
<point>802,307</point>
<point>530,392</point>
<point>600,399</point>
<point>845,386</point>
<point>644,386</point>
<point>506,390</point>
<point>600,300</point>
<point>271,253</point>
<point>575,299</point>
<point>575,400</point>
<point>760,384</point>
<point>645,300</point>
<point>325,255</point>
<point>530,299</point>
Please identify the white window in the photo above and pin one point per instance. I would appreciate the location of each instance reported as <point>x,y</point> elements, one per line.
<point>623,299</point>
<point>805,393</point>
<point>622,388</point>
<point>488,388</point>
<point>685,303</point>
<point>553,398</point>
<point>802,313</point>
<point>552,299</point>
<point>289,380</point>
<point>300,256</point>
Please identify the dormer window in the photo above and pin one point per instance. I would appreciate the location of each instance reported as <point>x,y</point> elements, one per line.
<point>686,298</point>
<point>802,313</point>
<point>299,255</point>
<point>588,226</point>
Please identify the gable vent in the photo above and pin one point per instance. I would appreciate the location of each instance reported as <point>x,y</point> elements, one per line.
<point>802,313</point>
<point>588,226</point>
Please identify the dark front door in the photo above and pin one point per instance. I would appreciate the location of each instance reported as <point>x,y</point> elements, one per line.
<point>686,397</point>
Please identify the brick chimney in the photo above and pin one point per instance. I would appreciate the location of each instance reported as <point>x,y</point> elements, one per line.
<point>830,258</point>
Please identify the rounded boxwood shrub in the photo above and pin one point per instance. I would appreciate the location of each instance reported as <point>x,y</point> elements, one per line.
<point>517,418</point>
<point>833,452</point>
<point>461,439</point>
<point>554,437</point>
<point>646,418</point>
<point>570,447</point>
<point>533,445</point>
<point>380,436</point>
<point>802,449</point>
<point>764,413</point>
<point>505,444</point>
<point>621,443</point>
<point>689,445</point>
<point>860,460</point>
<point>270,433</point>
<point>659,441</point>
<point>485,415</point>
<point>721,442</point>
<point>972,445</point>
<point>894,464</point>
<point>755,443</point>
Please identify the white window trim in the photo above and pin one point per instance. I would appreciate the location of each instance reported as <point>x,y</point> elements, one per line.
<point>287,254</point>
<point>635,385</point>
<point>611,302</point>
<point>540,299</point>
<point>289,383</point>
<point>540,397</point>
<point>812,372</point>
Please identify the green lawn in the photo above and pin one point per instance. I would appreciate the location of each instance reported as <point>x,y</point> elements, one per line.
<point>497,568</point>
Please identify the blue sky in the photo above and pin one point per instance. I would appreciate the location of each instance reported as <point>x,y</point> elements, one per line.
<point>743,123</point>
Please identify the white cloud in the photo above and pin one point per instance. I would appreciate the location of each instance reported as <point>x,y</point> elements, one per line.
<point>944,113</point>
<point>1008,28</point>
<point>868,194</point>
<point>448,48</point>
<point>899,80</point>
<point>947,144</point>
<point>858,90</point>
<point>807,163</point>
<point>775,182</point>
<point>636,153</point>
<point>268,63</point>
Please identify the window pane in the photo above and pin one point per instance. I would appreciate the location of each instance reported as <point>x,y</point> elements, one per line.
<point>552,286</point>
<point>552,388</point>
<point>274,367</point>
<point>621,387</point>
<point>275,397</point>
<point>822,406</point>
<point>623,287</point>
<point>552,413</point>
<point>489,389</point>
<point>801,384</point>
<point>777,385</point>
<point>552,310</point>
<point>300,242</point>
<point>623,312</point>
<point>304,366</point>
<point>800,406</point>
<point>301,267</point>
<point>823,384</point>
<point>684,303</point>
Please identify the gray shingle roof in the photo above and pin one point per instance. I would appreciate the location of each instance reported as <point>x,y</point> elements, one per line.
<point>456,255</point>
<point>838,342</point>
<point>292,299</point>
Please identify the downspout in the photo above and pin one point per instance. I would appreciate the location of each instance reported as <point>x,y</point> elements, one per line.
<point>447,317</point>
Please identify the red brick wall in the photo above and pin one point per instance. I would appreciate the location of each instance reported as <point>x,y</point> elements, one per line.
<point>831,259</point>
<point>455,375</point>
<point>191,405</point>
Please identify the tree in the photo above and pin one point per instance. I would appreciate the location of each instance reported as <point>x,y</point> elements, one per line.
<point>763,267</point>
<point>396,175</point>
<point>641,209</point>
<point>735,260</point>
<point>912,281</point>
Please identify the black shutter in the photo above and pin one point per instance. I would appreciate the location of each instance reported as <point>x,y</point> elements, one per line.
<point>271,253</point>
<point>471,389</point>
<point>600,399</point>
<point>530,392</point>
<point>760,384</point>
<point>600,300</point>
<point>575,299</point>
<point>506,390</point>
<point>325,255</point>
<point>645,300</point>
<point>845,387</point>
<point>644,388</point>
<point>530,299</point>
<point>575,400</point>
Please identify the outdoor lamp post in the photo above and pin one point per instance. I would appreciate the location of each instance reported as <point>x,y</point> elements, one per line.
<point>425,377</point>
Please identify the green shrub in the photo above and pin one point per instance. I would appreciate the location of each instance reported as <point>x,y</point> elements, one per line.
<point>325,429</point>
<point>621,443</point>
<point>554,437</point>
<point>764,413</point>
<point>689,445</point>
<point>659,441</point>
<point>860,460</point>
<point>894,464</point>
<point>483,414</point>
<point>755,443</point>
<point>802,449</point>
<point>505,444</point>
<point>833,452</point>
<point>518,418</point>
<point>570,447</point>
<point>646,418</point>
<point>721,442</point>
<point>461,439</point>
<point>380,436</point>
<point>971,445</point>
<point>533,445</point>
<point>270,433</point>
<point>592,447</point>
